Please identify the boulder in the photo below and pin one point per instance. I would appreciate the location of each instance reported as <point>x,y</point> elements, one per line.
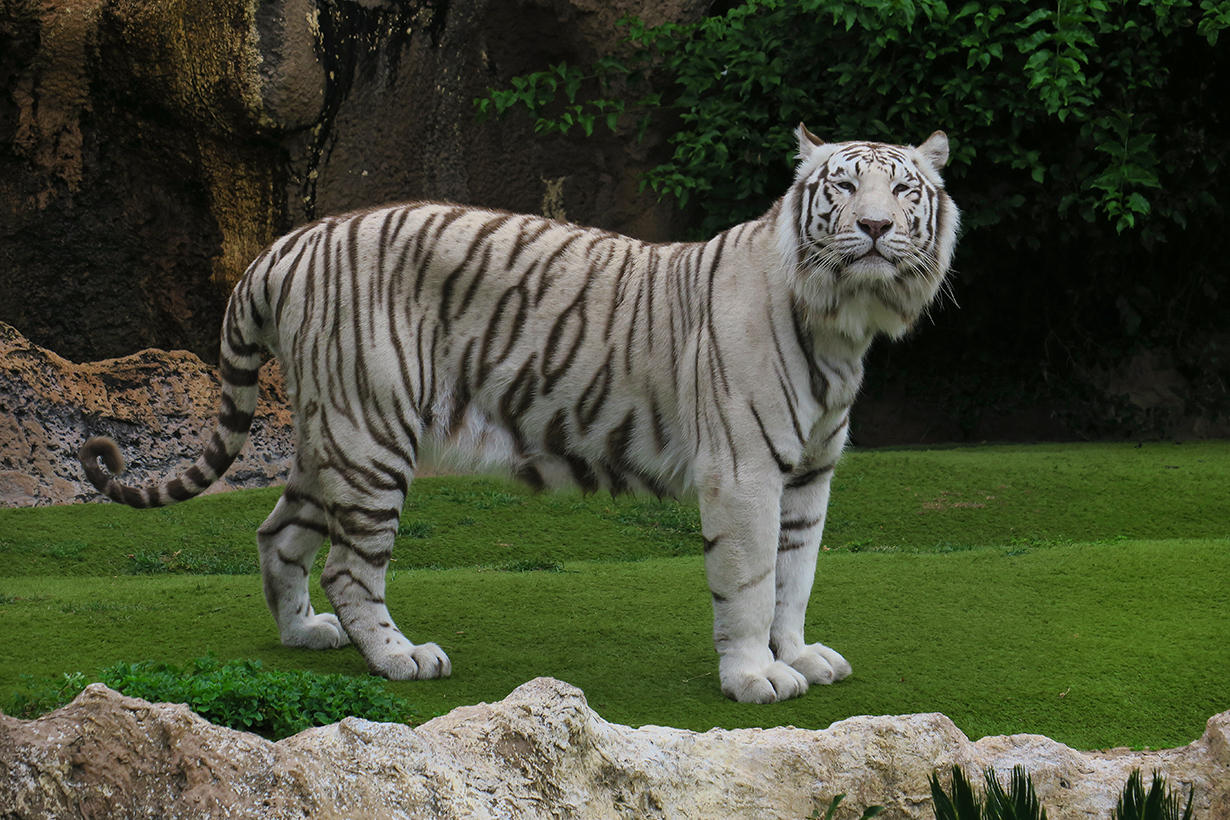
<point>158,406</point>
<point>542,752</point>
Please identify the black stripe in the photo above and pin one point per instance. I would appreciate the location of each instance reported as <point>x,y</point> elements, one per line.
<point>479,276</point>
<point>216,455</point>
<point>329,578</point>
<point>360,475</point>
<point>845,420</point>
<point>799,523</point>
<point>238,376</point>
<point>730,438</point>
<point>495,329</point>
<point>593,397</point>
<point>556,442</point>
<point>552,370</point>
<point>297,496</point>
<point>619,460</point>
<point>232,418</point>
<point>301,523</point>
<point>796,204</point>
<point>376,558</point>
<point>461,400</point>
<point>715,352</point>
<point>616,302</point>
<point>788,397</point>
<point>530,475</point>
<point>521,392</point>
<point>178,491</point>
<point>782,464</point>
<point>526,238</point>
<point>788,391</point>
<point>480,237</point>
<point>649,280</point>
<point>660,436</point>
<point>757,580</point>
<point>234,329</point>
<point>429,244</point>
<point>819,383</point>
<point>545,280</point>
<point>404,363</point>
<point>356,520</point>
<point>132,497</point>
<point>808,477</point>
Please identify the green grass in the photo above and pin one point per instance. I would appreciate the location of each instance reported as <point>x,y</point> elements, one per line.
<point>1073,591</point>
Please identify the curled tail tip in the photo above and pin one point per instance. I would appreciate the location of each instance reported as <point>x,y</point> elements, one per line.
<point>102,447</point>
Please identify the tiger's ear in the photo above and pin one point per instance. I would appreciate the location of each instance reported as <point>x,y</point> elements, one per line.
<point>807,141</point>
<point>935,150</point>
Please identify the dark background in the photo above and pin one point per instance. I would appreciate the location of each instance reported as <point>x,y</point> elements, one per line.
<point>149,150</point>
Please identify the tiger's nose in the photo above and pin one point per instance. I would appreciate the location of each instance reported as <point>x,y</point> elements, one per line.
<point>875,228</point>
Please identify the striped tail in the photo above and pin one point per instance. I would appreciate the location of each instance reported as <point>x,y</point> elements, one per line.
<point>239,365</point>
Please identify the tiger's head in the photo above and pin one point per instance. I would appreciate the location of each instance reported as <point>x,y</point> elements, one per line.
<point>867,232</point>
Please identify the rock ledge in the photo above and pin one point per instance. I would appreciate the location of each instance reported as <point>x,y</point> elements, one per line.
<point>541,752</point>
<point>158,406</point>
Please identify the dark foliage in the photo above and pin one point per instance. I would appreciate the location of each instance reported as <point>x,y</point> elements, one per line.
<point>1089,155</point>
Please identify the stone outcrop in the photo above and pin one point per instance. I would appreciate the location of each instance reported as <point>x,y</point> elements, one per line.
<point>159,407</point>
<point>150,148</point>
<point>541,752</point>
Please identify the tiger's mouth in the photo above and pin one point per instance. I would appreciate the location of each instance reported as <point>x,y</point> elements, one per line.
<point>870,269</point>
<point>872,260</point>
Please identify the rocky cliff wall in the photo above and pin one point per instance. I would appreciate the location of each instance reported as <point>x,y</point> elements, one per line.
<point>150,148</point>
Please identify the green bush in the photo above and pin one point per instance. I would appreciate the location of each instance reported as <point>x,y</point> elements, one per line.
<point>240,694</point>
<point>40,695</point>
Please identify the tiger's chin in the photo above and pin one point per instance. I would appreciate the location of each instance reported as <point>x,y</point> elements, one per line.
<point>863,299</point>
<point>870,269</point>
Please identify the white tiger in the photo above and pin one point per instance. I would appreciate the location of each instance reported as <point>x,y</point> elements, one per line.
<point>578,355</point>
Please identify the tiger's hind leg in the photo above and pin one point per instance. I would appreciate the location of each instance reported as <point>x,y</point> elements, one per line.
<point>363,510</point>
<point>289,540</point>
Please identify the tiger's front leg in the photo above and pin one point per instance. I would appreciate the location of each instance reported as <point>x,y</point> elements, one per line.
<point>739,521</point>
<point>804,503</point>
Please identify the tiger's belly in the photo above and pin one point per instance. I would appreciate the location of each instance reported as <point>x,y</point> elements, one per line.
<point>548,448</point>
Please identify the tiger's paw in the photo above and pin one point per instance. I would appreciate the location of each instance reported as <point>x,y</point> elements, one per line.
<point>821,665</point>
<point>424,661</point>
<point>774,682</point>
<point>323,631</point>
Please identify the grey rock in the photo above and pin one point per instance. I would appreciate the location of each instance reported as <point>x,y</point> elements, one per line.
<point>541,752</point>
<point>158,406</point>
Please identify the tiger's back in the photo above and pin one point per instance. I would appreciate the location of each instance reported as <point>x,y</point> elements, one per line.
<point>567,353</point>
